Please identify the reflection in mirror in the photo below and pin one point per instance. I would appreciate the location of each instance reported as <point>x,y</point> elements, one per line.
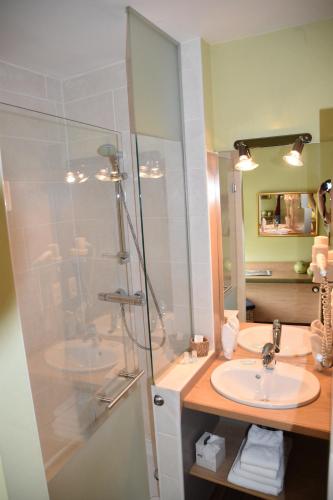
<point>287,214</point>
<point>273,273</point>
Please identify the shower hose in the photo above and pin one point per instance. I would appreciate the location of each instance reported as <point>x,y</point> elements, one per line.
<point>149,283</point>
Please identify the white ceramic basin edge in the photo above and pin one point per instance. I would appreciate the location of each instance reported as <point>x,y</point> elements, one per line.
<point>246,381</point>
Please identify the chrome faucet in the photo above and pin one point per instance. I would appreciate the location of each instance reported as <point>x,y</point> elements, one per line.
<point>268,356</point>
<point>270,349</point>
<point>277,328</point>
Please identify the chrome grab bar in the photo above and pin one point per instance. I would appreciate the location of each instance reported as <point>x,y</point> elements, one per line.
<point>113,401</point>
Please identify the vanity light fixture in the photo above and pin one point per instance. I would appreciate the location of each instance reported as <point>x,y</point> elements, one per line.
<point>294,157</point>
<point>245,161</point>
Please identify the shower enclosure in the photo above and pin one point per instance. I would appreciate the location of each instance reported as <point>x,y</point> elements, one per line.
<point>68,236</point>
<point>101,275</point>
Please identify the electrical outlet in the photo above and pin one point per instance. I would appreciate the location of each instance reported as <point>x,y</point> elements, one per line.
<point>56,292</point>
<point>72,287</point>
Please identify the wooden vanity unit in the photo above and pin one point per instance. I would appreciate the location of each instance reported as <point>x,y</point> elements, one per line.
<point>306,475</point>
<point>285,294</point>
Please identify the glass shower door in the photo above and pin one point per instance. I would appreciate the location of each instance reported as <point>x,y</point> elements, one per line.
<point>65,239</point>
<point>164,226</point>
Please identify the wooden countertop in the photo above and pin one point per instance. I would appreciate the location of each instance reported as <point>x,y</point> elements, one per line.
<point>312,419</point>
<point>282,272</point>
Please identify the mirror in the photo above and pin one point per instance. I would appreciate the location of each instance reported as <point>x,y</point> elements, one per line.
<point>287,214</point>
<point>272,272</point>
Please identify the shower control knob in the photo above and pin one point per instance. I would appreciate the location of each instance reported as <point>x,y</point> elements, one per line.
<point>315,289</point>
<point>158,400</point>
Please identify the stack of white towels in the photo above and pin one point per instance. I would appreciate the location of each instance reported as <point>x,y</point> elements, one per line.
<point>261,461</point>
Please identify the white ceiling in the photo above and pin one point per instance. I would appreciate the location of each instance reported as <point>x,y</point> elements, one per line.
<point>66,37</point>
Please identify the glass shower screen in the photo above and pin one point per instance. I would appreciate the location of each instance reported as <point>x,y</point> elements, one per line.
<point>63,222</point>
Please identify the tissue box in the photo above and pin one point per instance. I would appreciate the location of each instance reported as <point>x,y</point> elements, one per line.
<point>212,454</point>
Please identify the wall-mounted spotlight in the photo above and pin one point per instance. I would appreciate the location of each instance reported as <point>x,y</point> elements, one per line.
<point>245,161</point>
<point>294,157</point>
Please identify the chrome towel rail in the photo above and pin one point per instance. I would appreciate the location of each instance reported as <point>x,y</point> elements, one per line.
<point>113,401</point>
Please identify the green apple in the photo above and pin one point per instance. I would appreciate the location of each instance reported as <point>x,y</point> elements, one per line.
<point>300,267</point>
<point>309,271</point>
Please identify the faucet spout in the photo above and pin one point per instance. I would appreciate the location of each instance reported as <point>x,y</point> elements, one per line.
<point>277,329</point>
<point>268,356</point>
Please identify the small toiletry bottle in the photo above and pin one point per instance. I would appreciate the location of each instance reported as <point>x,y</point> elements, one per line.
<point>229,339</point>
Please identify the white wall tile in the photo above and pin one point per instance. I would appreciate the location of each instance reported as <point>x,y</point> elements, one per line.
<point>193,106</point>
<point>96,110</point>
<point>197,194</point>
<point>196,164</point>
<point>95,82</point>
<point>167,416</point>
<point>121,109</point>
<point>21,81</point>
<point>191,54</point>
<point>28,102</point>
<point>201,279</point>
<point>195,145</point>
<point>170,488</point>
<point>200,239</point>
<point>203,321</point>
<point>167,458</point>
<point>53,89</point>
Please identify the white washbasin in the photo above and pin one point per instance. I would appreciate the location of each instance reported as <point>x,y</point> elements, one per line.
<point>295,340</point>
<point>246,381</point>
<point>79,356</point>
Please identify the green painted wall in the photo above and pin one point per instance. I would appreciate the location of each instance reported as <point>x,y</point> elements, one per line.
<point>272,84</point>
<point>273,174</point>
<point>19,442</point>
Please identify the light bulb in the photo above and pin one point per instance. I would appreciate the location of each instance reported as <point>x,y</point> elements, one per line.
<point>70,177</point>
<point>81,177</point>
<point>293,158</point>
<point>103,175</point>
<point>245,163</point>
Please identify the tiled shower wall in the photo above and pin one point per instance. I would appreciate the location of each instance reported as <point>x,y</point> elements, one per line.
<point>22,87</point>
<point>196,167</point>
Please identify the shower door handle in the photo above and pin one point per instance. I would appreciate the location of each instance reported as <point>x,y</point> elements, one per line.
<point>113,401</point>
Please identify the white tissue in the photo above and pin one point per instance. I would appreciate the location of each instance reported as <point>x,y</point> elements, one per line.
<point>198,339</point>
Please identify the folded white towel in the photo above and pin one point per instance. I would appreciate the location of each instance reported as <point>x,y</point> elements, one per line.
<point>269,473</point>
<point>264,437</point>
<point>267,457</point>
<point>263,448</point>
<point>235,477</point>
<point>252,485</point>
<point>259,474</point>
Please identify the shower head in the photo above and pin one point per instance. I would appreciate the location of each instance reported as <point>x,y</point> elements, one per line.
<point>105,174</point>
<point>107,150</point>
